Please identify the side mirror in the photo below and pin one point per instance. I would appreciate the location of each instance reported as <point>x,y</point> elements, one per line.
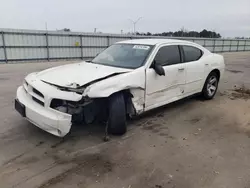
<point>158,69</point>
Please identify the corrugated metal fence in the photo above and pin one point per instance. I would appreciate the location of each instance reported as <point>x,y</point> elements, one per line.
<point>33,45</point>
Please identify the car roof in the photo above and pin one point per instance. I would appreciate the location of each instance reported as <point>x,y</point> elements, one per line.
<point>154,41</point>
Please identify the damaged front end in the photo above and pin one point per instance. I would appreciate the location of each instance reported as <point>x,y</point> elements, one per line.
<point>54,103</point>
<point>93,104</point>
<point>89,110</point>
<point>84,111</point>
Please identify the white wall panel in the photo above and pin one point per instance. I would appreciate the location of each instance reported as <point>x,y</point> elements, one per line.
<point>200,42</point>
<point>241,43</point>
<point>190,40</point>
<point>1,54</point>
<point>114,40</point>
<point>218,42</point>
<point>218,49</point>
<point>209,42</point>
<point>64,41</point>
<point>1,41</point>
<point>241,48</point>
<point>64,52</point>
<point>210,48</point>
<point>247,48</point>
<point>226,48</point>
<point>14,37</point>
<point>234,43</point>
<point>26,53</point>
<point>91,52</point>
<point>24,40</point>
<point>227,42</point>
<point>233,48</point>
<point>94,41</point>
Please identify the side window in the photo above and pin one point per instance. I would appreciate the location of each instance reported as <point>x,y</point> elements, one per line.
<point>168,55</point>
<point>191,53</point>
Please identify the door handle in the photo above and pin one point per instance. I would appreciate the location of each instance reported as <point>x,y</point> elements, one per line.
<point>181,69</point>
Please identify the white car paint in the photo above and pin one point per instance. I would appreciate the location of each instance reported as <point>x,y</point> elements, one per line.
<point>75,73</point>
<point>149,90</point>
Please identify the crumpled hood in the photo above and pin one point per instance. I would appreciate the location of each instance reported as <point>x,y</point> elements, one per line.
<point>77,74</point>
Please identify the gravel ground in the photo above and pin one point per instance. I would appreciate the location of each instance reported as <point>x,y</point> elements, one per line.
<point>187,144</point>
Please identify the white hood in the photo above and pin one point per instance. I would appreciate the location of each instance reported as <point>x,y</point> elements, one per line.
<point>77,74</point>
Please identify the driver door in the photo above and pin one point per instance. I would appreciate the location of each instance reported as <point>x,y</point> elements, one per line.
<point>161,90</point>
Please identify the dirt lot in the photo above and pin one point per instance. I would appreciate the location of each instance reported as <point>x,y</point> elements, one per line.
<point>188,144</point>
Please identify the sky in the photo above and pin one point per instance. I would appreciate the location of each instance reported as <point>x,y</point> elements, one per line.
<point>231,18</point>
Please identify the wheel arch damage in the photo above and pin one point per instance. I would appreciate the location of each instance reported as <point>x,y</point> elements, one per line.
<point>132,84</point>
<point>96,95</point>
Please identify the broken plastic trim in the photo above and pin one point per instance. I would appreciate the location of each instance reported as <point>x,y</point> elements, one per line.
<point>66,103</point>
<point>78,90</point>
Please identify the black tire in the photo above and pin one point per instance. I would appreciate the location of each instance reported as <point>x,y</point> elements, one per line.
<point>117,115</point>
<point>206,91</point>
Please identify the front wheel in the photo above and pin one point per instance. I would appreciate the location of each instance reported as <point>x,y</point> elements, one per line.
<point>117,115</point>
<point>210,87</point>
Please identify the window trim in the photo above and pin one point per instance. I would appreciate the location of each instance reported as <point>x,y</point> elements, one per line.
<point>179,50</point>
<point>181,54</point>
<point>184,58</point>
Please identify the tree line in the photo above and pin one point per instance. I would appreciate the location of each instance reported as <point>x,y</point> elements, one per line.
<point>184,33</point>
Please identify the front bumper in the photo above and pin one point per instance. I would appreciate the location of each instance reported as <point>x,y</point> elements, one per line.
<point>46,118</point>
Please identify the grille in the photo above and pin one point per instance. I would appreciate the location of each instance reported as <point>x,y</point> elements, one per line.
<point>38,101</point>
<point>38,93</point>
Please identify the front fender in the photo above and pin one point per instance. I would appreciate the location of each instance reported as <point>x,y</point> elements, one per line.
<point>105,88</point>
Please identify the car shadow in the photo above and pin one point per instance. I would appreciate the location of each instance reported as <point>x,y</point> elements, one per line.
<point>98,129</point>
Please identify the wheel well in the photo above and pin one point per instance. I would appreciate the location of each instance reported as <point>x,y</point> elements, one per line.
<point>217,72</point>
<point>125,92</point>
<point>128,102</point>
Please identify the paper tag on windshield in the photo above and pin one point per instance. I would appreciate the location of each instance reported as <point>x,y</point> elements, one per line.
<point>141,47</point>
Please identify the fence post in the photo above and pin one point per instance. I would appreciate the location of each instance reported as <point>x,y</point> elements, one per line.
<point>108,41</point>
<point>223,43</point>
<point>237,45</point>
<point>230,46</point>
<point>47,45</point>
<point>214,46</point>
<point>4,48</point>
<point>81,46</point>
<point>245,45</point>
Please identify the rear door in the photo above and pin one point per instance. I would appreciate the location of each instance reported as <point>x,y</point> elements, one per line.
<point>161,90</point>
<point>194,68</point>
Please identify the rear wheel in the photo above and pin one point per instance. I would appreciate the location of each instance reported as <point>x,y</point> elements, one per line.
<point>210,87</point>
<point>117,115</point>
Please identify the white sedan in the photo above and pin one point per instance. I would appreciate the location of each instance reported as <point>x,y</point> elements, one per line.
<point>126,79</point>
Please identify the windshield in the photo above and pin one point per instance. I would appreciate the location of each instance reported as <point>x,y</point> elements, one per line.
<point>124,55</point>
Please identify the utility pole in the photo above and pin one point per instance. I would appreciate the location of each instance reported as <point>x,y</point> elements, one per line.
<point>46,27</point>
<point>134,24</point>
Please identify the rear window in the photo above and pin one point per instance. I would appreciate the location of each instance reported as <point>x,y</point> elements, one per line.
<point>191,53</point>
